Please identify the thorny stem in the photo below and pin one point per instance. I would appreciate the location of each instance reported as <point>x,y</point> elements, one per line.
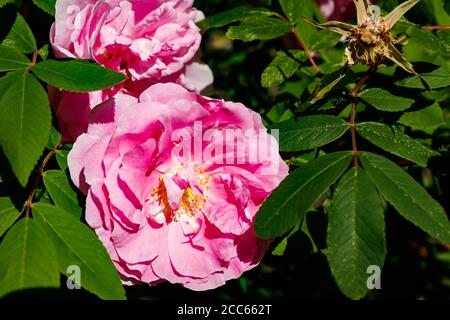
<point>436,27</point>
<point>39,174</point>
<point>354,95</point>
<point>307,51</point>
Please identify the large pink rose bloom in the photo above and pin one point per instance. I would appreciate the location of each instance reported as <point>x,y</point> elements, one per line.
<point>150,41</point>
<point>173,182</point>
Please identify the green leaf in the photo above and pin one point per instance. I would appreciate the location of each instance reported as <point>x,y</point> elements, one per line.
<point>61,192</point>
<point>292,9</point>
<point>308,33</point>
<point>385,101</point>
<point>25,122</point>
<point>444,37</point>
<point>42,196</point>
<point>309,132</point>
<point>77,245</point>
<point>325,39</point>
<point>281,247</point>
<point>27,258</point>
<point>355,237</point>
<point>233,15</point>
<point>46,5</point>
<point>43,52</point>
<point>259,29</point>
<point>330,82</point>
<point>428,41</point>
<point>395,142</point>
<point>77,75</point>
<point>287,204</point>
<point>8,214</point>
<point>5,2</point>
<point>12,59</point>
<point>54,139</point>
<point>407,196</point>
<point>311,9</point>
<point>427,119</point>
<point>283,66</point>
<point>334,102</point>
<point>439,78</point>
<point>280,112</point>
<point>20,37</point>
<point>61,158</point>
<point>287,115</point>
<point>440,11</point>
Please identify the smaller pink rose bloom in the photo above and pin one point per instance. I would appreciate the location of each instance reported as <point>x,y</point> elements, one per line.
<point>174,181</point>
<point>150,41</point>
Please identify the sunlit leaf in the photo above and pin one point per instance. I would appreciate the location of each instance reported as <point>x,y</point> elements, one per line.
<point>287,204</point>
<point>396,142</point>
<point>259,29</point>
<point>355,237</point>
<point>407,196</point>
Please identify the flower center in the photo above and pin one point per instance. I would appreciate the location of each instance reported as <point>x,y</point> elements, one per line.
<point>174,199</point>
<point>191,203</point>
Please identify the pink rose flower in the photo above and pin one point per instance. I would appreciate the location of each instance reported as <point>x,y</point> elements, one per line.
<point>150,41</point>
<point>173,182</point>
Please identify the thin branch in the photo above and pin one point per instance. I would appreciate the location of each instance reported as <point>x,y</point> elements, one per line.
<point>353,131</point>
<point>39,174</point>
<point>361,82</point>
<point>404,163</point>
<point>300,43</point>
<point>436,27</point>
<point>35,56</point>
<point>307,51</point>
<point>354,95</point>
<point>281,17</point>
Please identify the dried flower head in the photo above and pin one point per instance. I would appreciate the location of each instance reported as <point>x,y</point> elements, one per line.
<point>371,40</point>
